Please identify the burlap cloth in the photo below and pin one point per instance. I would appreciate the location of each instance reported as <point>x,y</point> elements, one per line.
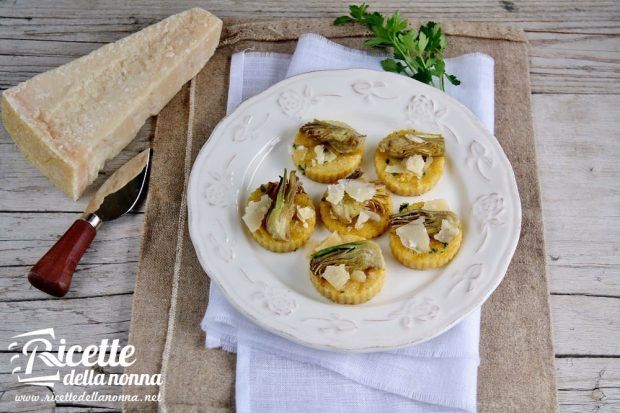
<point>516,373</point>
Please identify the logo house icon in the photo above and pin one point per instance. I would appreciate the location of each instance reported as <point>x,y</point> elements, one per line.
<point>37,347</point>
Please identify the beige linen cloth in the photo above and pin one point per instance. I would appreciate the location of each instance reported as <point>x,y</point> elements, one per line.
<point>516,372</point>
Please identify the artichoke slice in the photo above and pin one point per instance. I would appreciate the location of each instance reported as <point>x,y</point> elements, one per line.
<point>432,219</point>
<point>409,144</point>
<point>280,216</point>
<point>358,255</point>
<point>339,136</point>
<point>377,203</point>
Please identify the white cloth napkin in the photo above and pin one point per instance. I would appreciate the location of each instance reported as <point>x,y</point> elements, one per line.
<point>277,375</point>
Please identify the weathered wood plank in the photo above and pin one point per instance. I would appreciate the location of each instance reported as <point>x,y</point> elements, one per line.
<point>89,280</point>
<point>68,19</point>
<point>580,401</point>
<point>579,172</point>
<point>574,63</point>
<point>80,321</point>
<point>588,373</point>
<point>586,325</point>
<point>25,237</point>
<point>588,384</point>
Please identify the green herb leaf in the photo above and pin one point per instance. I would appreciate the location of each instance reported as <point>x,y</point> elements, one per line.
<point>417,54</point>
<point>453,80</point>
<point>342,20</point>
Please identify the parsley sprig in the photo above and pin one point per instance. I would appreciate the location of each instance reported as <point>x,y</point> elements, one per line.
<point>417,54</point>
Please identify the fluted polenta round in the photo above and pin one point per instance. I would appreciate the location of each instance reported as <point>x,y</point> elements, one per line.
<point>354,292</point>
<point>439,255</point>
<point>299,234</point>
<point>330,172</point>
<point>370,229</point>
<point>407,184</point>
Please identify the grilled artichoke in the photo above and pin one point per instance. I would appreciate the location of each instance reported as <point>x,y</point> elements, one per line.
<point>402,146</point>
<point>358,255</point>
<point>339,136</point>
<point>432,219</point>
<point>281,214</point>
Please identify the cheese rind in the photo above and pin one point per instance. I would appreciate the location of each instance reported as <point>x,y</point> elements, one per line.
<point>70,120</point>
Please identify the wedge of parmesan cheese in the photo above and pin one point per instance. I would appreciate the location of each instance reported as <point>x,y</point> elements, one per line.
<point>337,275</point>
<point>414,236</point>
<point>255,212</point>
<point>69,121</point>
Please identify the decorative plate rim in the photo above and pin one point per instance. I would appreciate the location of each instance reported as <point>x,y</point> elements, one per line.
<point>279,301</point>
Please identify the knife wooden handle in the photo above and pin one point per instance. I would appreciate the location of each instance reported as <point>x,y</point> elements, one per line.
<point>53,273</point>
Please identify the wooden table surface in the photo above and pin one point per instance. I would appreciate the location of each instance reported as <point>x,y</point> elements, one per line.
<point>575,78</point>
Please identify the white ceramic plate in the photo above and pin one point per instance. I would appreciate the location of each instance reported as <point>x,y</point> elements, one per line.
<point>251,147</point>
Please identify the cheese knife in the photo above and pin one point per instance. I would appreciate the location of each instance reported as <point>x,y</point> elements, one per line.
<point>119,194</point>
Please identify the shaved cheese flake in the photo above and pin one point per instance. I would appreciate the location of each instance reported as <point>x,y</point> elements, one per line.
<point>322,155</point>
<point>358,275</point>
<point>395,167</point>
<point>255,212</point>
<point>448,231</point>
<point>337,275</point>
<point>335,193</point>
<point>414,236</point>
<point>415,165</point>
<point>359,190</point>
<point>436,205</point>
<point>366,216</point>
<point>304,214</point>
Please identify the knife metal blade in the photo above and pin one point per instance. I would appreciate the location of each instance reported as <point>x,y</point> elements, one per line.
<point>119,194</point>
